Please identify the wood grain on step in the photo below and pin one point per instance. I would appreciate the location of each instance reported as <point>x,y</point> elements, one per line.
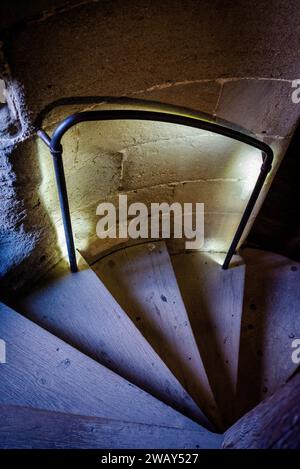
<point>44,372</point>
<point>273,424</point>
<point>214,301</point>
<point>270,325</point>
<point>142,280</point>
<point>79,309</point>
<point>26,428</point>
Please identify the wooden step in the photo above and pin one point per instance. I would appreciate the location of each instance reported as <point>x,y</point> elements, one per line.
<point>214,301</point>
<point>270,325</point>
<point>272,424</point>
<point>142,280</point>
<point>79,309</point>
<point>42,371</point>
<point>25,428</point>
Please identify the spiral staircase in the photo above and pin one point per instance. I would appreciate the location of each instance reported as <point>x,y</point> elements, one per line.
<point>146,348</point>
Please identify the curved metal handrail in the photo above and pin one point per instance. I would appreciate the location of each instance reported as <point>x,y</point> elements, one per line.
<point>56,149</point>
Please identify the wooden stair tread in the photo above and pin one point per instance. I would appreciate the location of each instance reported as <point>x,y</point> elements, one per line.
<point>44,372</point>
<point>272,424</point>
<point>270,324</point>
<point>79,309</point>
<point>214,301</point>
<point>22,427</point>
<point>142,280</point>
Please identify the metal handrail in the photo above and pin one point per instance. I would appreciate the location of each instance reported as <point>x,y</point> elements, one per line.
<point>56,149</point>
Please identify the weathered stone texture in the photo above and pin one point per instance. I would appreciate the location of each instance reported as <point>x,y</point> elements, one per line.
<point>187,158</point>
<point>201,95</point>
<point>262,106</point>
<point>216,57</point>
<point>121,47</point>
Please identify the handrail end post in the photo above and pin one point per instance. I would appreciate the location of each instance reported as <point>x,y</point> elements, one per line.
<point>44,136</point>
<point>73,265</point>
<point>226,262</point>
<point>64,205</point>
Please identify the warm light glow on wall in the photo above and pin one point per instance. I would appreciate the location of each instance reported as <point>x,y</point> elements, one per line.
<point>148,161</point>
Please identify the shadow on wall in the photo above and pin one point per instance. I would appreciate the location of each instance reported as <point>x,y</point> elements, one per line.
<point>28,238</point>
<point>277,226</point>
<point>26,235</point>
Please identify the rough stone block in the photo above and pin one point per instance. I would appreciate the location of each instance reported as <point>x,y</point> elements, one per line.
<point>261,106</point>
<point>219,230</point>
<point>218,196</point>
<point>81,53</point>
<point>200,96</point>
<point>188,158</point>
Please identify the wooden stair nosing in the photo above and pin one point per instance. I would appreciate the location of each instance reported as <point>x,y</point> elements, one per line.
<point>32,428</point>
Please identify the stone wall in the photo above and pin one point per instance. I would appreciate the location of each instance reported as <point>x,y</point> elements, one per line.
<point>233,60</point>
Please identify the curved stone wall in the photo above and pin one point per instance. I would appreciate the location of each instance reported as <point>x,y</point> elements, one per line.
<point>233,60</point>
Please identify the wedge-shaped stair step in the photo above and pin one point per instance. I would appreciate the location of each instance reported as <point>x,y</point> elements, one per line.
<point>142,280</point>
<point>24,428</point>
<point>270,326</point>
<point>79,309</point>
<point>42,371</point>
<point>272,424</point>
<point>214,301</point>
